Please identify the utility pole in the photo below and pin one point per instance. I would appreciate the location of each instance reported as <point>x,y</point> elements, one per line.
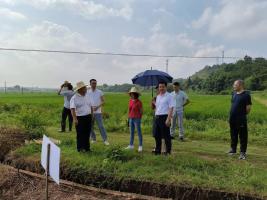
<point>167,66</point>
<point>5,86</point>
<point>222,57</point>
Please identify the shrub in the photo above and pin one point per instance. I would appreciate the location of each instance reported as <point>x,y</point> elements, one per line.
<point>33,123</point>
<point>117,153</point>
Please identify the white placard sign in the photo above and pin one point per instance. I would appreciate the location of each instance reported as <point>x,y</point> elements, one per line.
<point>54,158</point>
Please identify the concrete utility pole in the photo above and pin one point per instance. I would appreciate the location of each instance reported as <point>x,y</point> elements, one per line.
<point>167,66</point>
<point>5,86</point>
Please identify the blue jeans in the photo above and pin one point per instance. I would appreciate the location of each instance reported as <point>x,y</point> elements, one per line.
<point>135,123</point>
<point>99,121</point>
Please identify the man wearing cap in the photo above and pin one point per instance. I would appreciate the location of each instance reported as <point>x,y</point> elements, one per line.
<point>163,114</point>
<point>81,109</point>
<point>97,99</point>
<point>66,90</point>
<point>181,100</point>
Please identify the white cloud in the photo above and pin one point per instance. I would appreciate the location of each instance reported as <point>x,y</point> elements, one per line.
<point>87,9</point>
<point>48,69</point>
<point>12,15</point>
<point>204,19</point>
<point>170,44</point>
<point>237,19</point>
<point>156,27</point>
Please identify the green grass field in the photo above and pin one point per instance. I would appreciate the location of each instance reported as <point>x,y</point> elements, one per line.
<point>199,161</point>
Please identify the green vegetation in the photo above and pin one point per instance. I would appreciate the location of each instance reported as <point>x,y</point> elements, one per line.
<point>219,78</point>
<point>199,161</point>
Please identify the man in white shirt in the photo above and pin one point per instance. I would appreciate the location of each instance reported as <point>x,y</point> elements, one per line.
<point>66,90</point>
<point>163,115</point>
<point>181,100</point>
<point>97,99</point>
<point>81,110</point>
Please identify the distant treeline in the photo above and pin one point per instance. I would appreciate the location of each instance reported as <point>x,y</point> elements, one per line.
<point>219,78</point>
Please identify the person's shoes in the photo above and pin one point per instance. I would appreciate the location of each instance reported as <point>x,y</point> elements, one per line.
<point>130,147</point>
<point>156,153</point>
<point>61,131</point>
<point>93,141</point>
<point>106,143</point>
<point>242,156</point>
<point>231,152</point>
<point>84,150</point>
<point>166,153</point>
<point>181,139</point>
<point>140,149</point>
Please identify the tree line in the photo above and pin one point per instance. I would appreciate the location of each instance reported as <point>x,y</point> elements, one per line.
<point>219,78</point>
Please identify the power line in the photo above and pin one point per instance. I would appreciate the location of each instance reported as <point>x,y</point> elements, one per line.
<point>114,54</point>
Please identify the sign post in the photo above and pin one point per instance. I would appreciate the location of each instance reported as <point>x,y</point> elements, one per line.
<point>50,159</point>
<point>47,171</point>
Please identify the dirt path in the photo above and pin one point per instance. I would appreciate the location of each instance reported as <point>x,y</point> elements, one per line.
<point>260,100</point>
<point>21,186</point>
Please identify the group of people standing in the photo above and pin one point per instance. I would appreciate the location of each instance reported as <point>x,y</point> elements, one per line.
<point>83,107</point>
<point>169,108</point>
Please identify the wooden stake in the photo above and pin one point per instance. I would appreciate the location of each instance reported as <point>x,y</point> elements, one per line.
<point>47,171</point>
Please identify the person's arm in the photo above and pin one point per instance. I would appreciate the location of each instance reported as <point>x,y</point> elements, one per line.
<point>92,110</point>
<point>101,104</point>
<point>248,104</point>
<point>248,108</point>
<point>169,118</point>
<point>73,113</point>
<point>59,91</point>
<point>170,112</point>
<point>186,102</point>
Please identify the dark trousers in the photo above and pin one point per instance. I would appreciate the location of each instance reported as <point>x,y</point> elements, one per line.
<point>83,130</point>
<point>239,129</point>
<point>162,131</point>
<point>66,113</point>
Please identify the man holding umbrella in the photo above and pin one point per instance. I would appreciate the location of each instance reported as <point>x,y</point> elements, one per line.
<point>163,107</point>
<point>163,114</point>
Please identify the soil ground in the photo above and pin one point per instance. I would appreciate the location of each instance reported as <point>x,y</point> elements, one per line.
<point>21,186</point>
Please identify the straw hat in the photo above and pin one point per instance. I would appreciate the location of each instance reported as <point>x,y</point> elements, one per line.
<point>134,90</point>
<point>80,85</point>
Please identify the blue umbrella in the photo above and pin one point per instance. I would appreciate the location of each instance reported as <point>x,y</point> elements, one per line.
<point>151,78</point>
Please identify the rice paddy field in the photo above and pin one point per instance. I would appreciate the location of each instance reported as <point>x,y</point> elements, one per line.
<point>199,162</point>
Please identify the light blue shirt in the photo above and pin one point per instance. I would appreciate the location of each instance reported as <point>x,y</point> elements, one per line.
<point>67,96</point>
<point>179,99</point>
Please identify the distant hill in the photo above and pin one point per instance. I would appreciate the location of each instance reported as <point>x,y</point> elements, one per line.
<point>220,78</point>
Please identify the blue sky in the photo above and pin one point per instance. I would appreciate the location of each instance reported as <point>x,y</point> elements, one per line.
<point>167,27</point>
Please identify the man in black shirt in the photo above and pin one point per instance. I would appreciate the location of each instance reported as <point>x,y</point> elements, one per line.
<point>240,107</point>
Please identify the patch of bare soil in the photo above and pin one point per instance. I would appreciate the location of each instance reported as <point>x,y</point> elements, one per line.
<point>10,139</point>
<point>21,186</point>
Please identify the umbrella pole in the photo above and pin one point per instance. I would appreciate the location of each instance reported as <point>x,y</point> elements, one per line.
<point>152,85</point>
